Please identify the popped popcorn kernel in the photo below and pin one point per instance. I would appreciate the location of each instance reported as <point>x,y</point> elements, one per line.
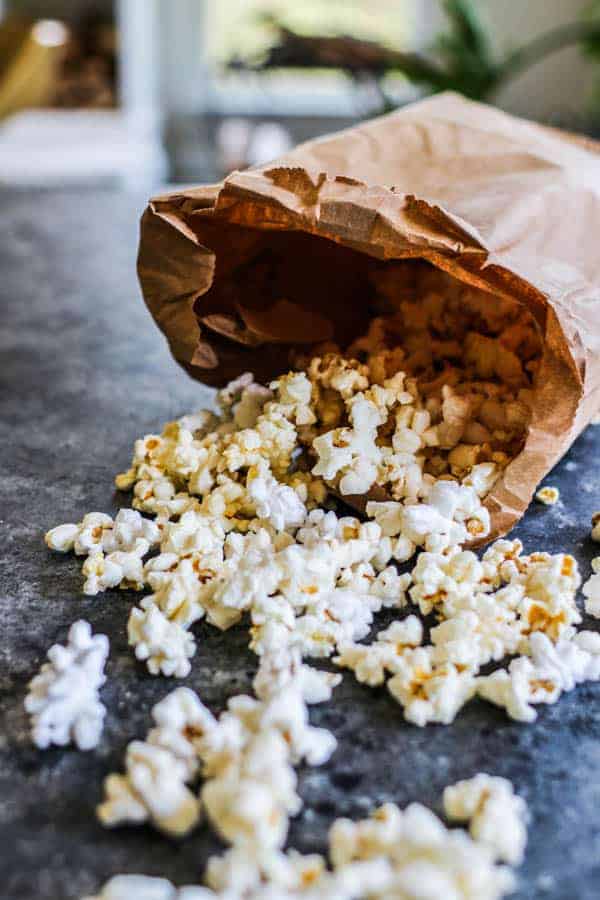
<point>63,698</point>
<point>496,815</point>
<point>548,495</point>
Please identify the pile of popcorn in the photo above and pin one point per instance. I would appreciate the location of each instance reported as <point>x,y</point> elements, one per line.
<point>245,759</point>
<point>241,532</point>
<point>234,520</point>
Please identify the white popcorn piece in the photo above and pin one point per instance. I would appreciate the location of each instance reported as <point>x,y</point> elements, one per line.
<point>475,637</point>
<point>553,668</point>
<point>351,452</point>
<point>128,529</point>
<point>243,399</point>
<point>548,495</point>
<point>482,478</point>
<point>256,873</point>
<point>390,587</point>
<point>63,699</point>
<point>97,532</point>
<point>369,662</point>
<point>119,569</point>
<point>294,390</point>
<point>281,670</point>
<point>153,788</point>
<point>550,584</point>
<point>182,723</point>
<point>427,859</point>
<point>193,533</point>
<point>278,503</point>
<point>145,887</point>
<point>404,633</point>
<point>62,538</point>
<point>249,804</point>
<point>88,536</point>
<point>497,816</point>
<point>428,692</point>
<point>591,590</point>
<point>518,688</point>
<point>165,646</point>
<point>452,515</point>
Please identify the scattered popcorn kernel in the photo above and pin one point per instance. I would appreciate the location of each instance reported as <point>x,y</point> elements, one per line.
<point>63,699</point>
<point>153,788</point>
<point>143,887</point>
<point>548,495</point>
<point>496,815</point>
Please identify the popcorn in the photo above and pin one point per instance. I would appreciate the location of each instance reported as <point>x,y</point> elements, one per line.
<point>164,645</point>
<point>475,637</point>
<point>425,425</point>
<point>518,688</point>
<point>370,662</point>
<point>406,853</point>
<point>267,873</point>
<point>63,699</point>
<point>153,788</point>
<point>426,858</point>
<point>407,632</point>
<point>553,668</point>
<point>549,496</point>
<point>98,533</point>
<point>451,516</point>
<point>429,692</point>
<point>250,802</point>
<point>153,493</point>
<point>445,583</point>
<point>63,537</point>
<point>550,584</point>
<point>88,535</point>
<point>367,661</point>
<point>496,815</point>
<point>351,452</point>
<point>193,533</point>
<point>282,670</point>
<point>157,770</point>
<point>278,503</point>
<point>390,587</point>
<point>243,399</point>
<point>182,722</point>
<point>143,887</point>
<point>591,590</point>
<point>294,390</point>
<point>119,569</point>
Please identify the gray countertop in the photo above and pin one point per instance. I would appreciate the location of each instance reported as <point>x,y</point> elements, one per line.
<point>84,372</point>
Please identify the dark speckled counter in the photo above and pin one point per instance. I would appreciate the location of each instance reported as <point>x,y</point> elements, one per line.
<point>84,372</point>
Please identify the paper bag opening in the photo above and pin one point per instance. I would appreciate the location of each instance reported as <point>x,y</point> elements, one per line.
<point>252,273</point>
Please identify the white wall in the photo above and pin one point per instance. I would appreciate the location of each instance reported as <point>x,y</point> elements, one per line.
<point>557,89</point>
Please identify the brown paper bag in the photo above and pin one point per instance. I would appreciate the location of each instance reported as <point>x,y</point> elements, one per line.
<point>495,201</point>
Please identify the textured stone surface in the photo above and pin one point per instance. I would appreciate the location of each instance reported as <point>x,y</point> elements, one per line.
<point>83,373</point>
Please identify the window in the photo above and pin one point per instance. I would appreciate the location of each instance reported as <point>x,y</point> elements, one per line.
<point>244,30</point>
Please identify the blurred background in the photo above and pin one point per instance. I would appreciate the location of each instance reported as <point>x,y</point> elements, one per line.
<point>139,92</point>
